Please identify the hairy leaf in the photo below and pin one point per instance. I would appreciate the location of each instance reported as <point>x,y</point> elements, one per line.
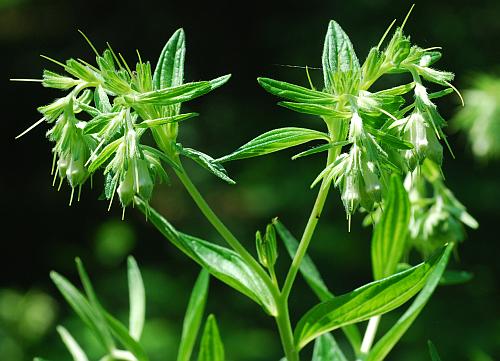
<point>221,262</point>
<point>273,141</point>
<point>338,54</point>
<point>389,340</point>
<point>208,163</point>
<point>169,71</point>
<point>296,93</point>
<point>373,299</point>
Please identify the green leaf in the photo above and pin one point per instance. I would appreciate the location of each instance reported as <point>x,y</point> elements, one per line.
<point>207,162</point>
<point>389,237</point>
<point>433,352</point>
<point>273,141</point>
<point>137,299</point>
<point>338,54</point>
<point>221,262</point>
<point>313,278</point>
<point>76,351</point>
<point>295,92</point>
<point>90,316</point>
<point>316,109</point>
<point>169,71</point>
<point>217,82</point>
<point>327,349</point>
<point>389,340</point>
<point>121,333</point>
<point>194,314</point>
<point>370,300</point>
<point>101,100</point>
<point>211,347</point>
<point>168,96</point>
<point>321,148</point>
<point>149,123</point>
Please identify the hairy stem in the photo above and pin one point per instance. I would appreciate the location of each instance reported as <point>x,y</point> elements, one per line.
<point>337,133</point>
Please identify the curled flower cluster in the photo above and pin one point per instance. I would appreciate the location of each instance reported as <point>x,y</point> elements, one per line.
<point>102,121</point>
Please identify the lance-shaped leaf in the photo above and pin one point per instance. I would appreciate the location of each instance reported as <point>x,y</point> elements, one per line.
<point>73,347</point>
<point>313,278</point>
<point>207,162</point>
<point>370,300</point>
<point>327,349</point>
<point>316,109</point>
<point>389,237</point>
<point>338,54</point>
<point>149,123</point>
<point>273,141</point>
<point>221,262</point>
<point>211,347</point>
<point>88,314</point>
<point>169,71</point>
<point>122,335</point>
<point>193,317</point>
<point>169,96</point>
<point>137,299</point>
<point>296,93</point>
<point>389,340</point>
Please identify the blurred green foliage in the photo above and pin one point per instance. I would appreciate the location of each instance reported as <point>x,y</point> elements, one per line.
<point>222,38</point>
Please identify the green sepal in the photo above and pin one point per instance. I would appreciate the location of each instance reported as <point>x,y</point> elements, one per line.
<point>273,141</point>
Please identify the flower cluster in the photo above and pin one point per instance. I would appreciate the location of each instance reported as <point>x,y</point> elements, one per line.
<point>372,134</point>
<point>109,108</point>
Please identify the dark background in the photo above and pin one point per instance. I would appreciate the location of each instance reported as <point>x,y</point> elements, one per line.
<point>248,39</point>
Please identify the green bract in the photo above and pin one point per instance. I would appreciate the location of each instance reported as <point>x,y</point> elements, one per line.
<point>101,122</point>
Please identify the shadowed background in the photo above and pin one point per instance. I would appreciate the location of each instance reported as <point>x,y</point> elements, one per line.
<point>41,233</point>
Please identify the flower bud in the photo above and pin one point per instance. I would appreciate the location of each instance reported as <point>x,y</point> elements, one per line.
<point>350,193</point>
<point>372,188</point>
<point>137,181</point>
<point>76,171</point>
<point>267,249</point>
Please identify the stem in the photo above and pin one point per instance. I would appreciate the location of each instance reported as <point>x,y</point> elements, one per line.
<point>370,332</point>
<point>285,331</point>
<point>223,230</point>
<point>283,316</point>
<point>306,236</point>
<point>313,220</point>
